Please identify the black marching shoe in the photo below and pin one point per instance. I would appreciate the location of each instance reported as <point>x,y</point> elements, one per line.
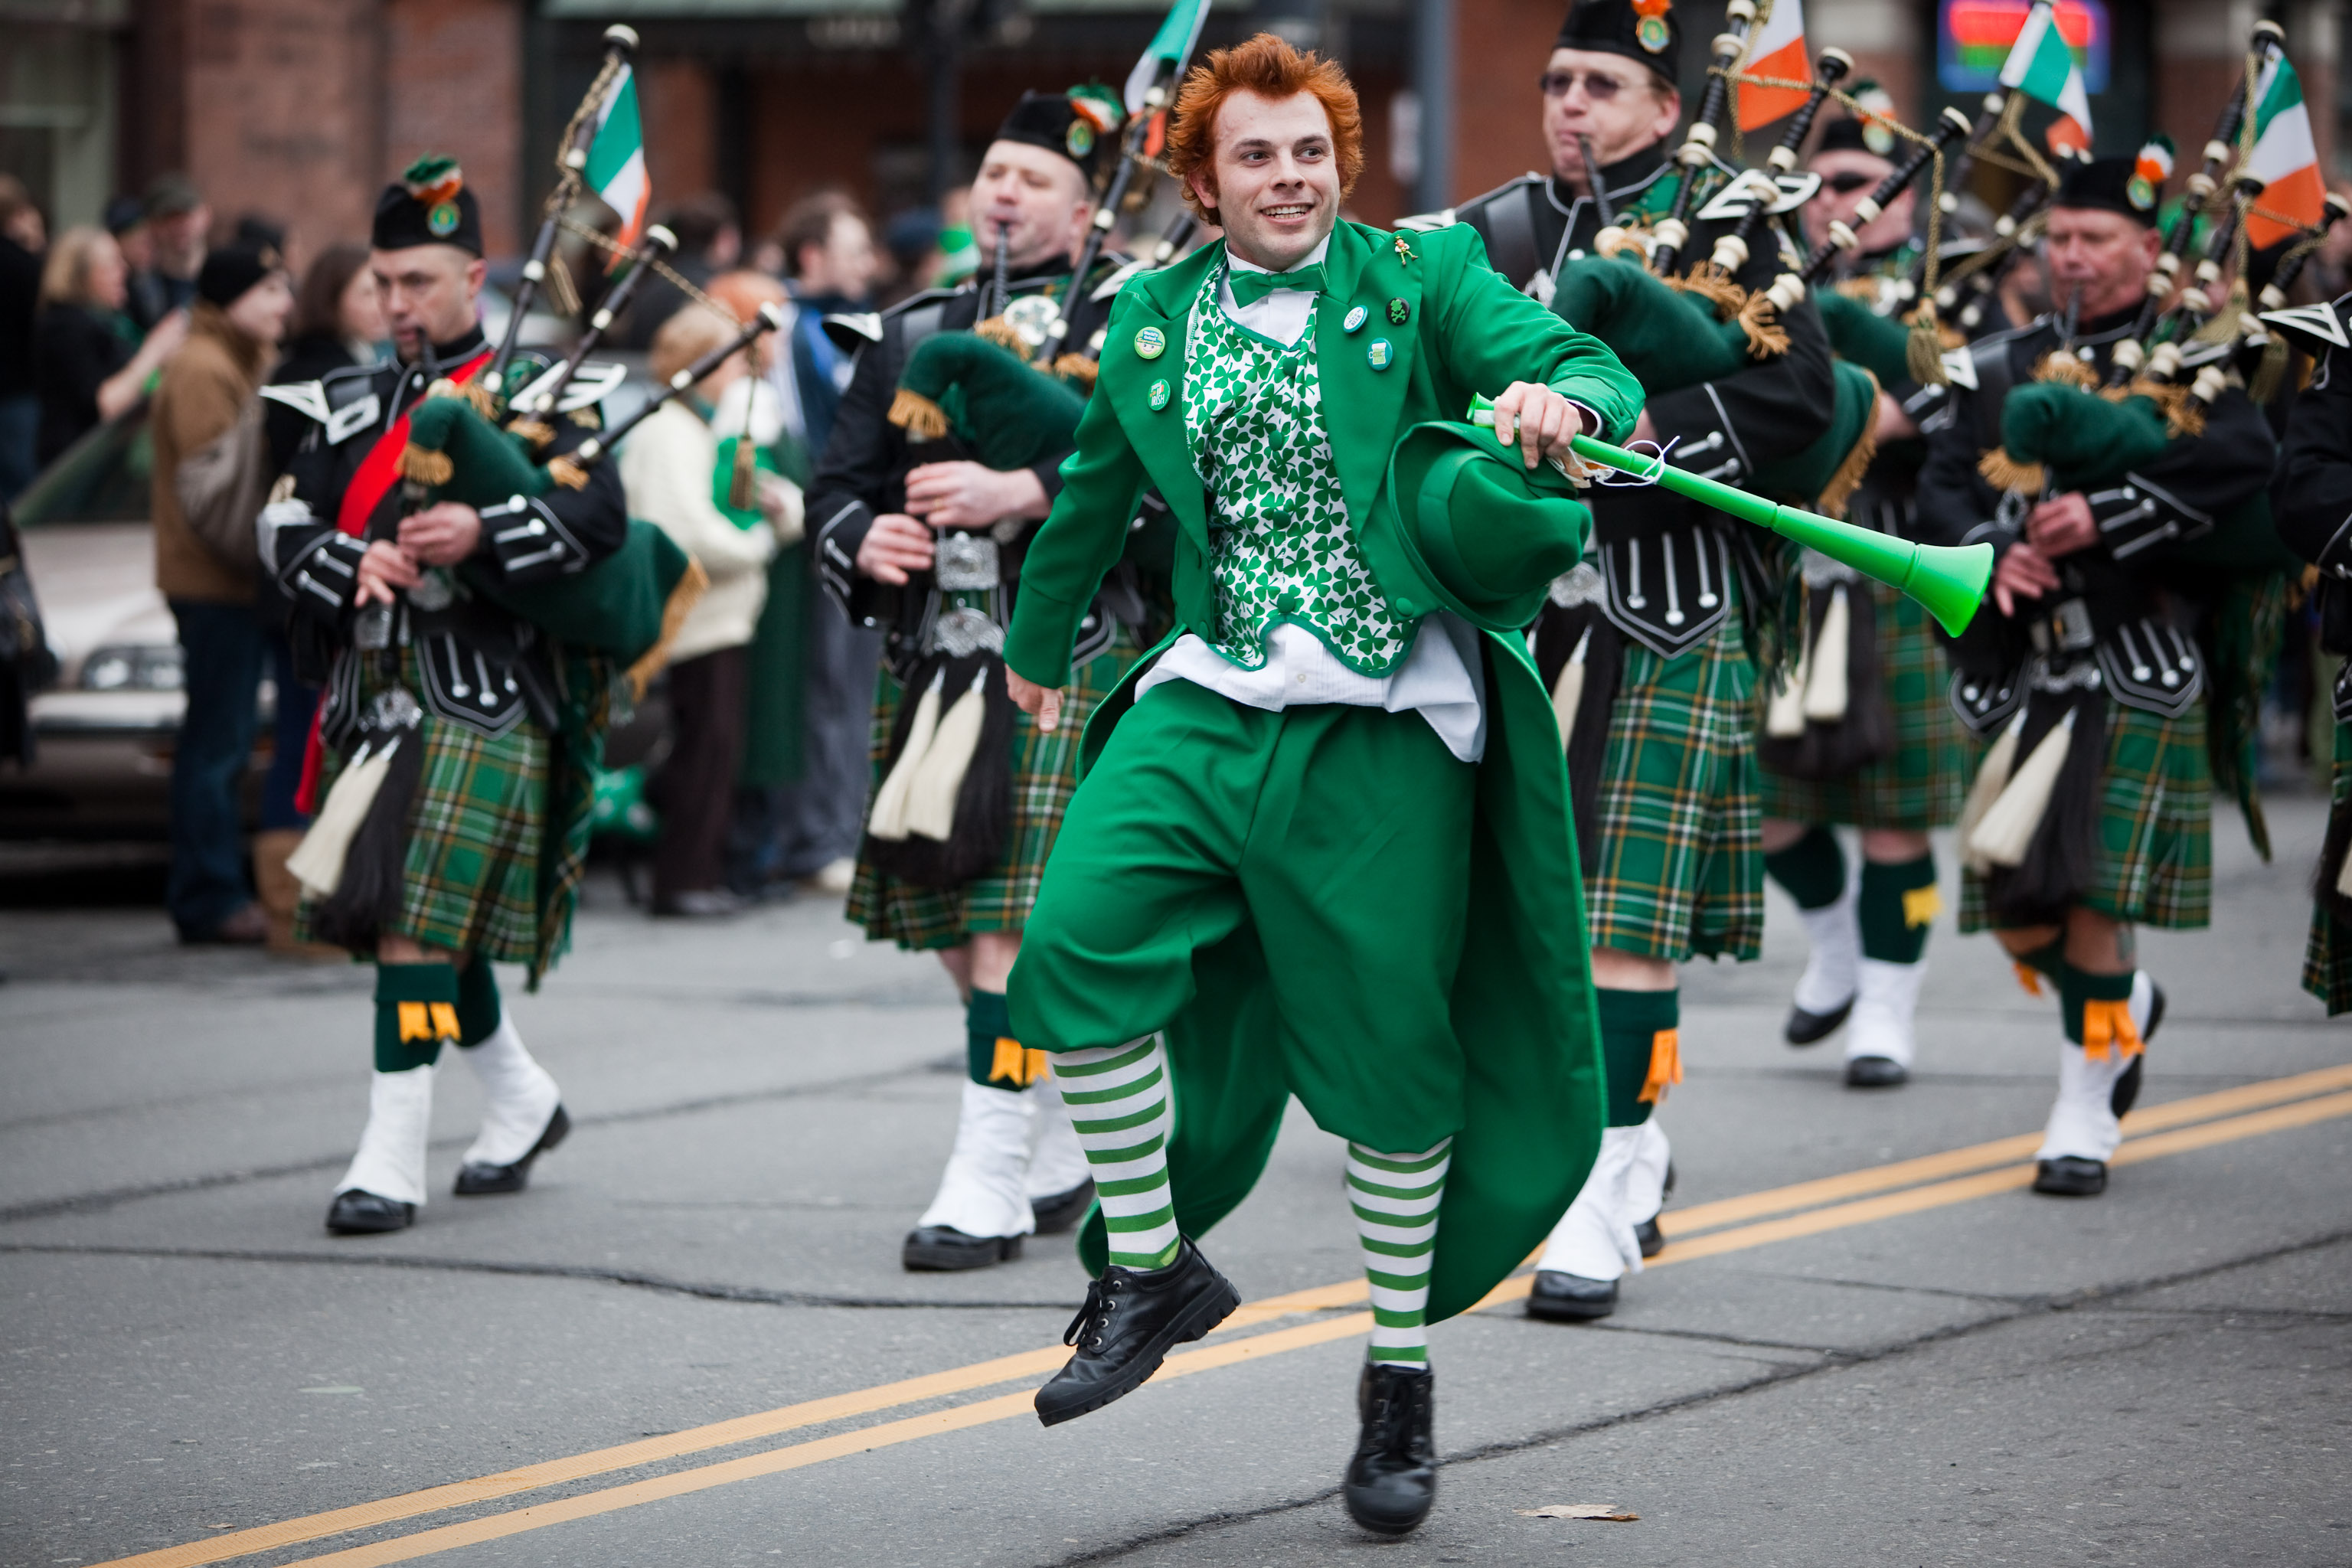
<point>1570,1298</point>
<point>1132,1319</point>
<point>1652,1240</point>
<point>1392,1479</point>
<point>2070,1176</point>
<point>481,1180</point>
<point>1058,1212</point>
<point>943,1249</point>
<point>1810,1028</point>
<point>362,1213</point>
<point>1876,1072</point>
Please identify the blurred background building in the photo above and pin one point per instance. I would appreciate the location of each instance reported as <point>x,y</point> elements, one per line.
<point>299,107</point>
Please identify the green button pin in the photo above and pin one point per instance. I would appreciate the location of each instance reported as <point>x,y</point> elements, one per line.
<point>1150,343</point>
<point>1157,397</point>
<point>1355,320</point>
<point>1399,313</point>
<point>1380,355</point>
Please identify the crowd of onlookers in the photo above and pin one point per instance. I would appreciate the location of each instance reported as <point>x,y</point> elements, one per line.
<point>758,780</point>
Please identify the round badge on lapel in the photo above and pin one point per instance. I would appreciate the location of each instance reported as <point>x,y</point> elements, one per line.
<point>1380,355</point>
<point>1157,395</point>
<point>1399,313</point>
<point>1150,343</point>
<point>1355,319</point>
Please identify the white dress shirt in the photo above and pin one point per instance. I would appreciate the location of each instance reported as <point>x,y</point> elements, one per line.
<point>1438,679</point>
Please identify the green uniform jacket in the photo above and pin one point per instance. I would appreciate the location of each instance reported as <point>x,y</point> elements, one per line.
<point>1523,998</point>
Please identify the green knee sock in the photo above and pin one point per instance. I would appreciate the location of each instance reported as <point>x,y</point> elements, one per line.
<point>1396,1198</point>
<point>2095,1007</point>
<point>1898,904</point>
<point>415,1013</point>
<point>1812,870</point>
<point>993,1057</point>
<point>2048,961</point>
<point>1639,1047</point>
<point>1119,1102</point>
<point>479,1007</point>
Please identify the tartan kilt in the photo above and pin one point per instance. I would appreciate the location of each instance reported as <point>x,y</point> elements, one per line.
<point>1682,854</point>
<point>1045,773</point>
<point>1923,779</point>
<point>2327,955</point>
<point>2154,864</point>
<point>475,830</point>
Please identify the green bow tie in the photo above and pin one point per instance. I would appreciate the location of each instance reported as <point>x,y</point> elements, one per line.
<point>1249,288</point>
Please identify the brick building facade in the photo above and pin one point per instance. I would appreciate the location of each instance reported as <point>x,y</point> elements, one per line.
<point>298,109</point>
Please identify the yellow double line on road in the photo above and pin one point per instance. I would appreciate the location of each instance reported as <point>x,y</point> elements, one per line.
<point>1703,1230</point>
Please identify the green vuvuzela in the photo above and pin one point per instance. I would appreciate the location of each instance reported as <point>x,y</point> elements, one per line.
<point>1951,582</point>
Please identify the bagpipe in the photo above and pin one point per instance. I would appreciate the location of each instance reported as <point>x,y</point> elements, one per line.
<point>1007,394</point>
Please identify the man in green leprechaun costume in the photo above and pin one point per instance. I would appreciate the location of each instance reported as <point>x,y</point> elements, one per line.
<point>1323,847</point>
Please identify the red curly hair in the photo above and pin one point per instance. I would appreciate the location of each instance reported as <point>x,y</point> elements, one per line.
<point>1270,67</point>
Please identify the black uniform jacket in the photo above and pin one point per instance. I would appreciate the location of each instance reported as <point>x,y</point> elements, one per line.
<point>863,473</point>
<point>2156,524</point>
<point>2311,501</point>
<point>1720,429</point>
<point>480,666</point>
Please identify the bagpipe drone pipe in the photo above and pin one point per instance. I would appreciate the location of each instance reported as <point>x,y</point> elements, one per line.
<point>943,810</point>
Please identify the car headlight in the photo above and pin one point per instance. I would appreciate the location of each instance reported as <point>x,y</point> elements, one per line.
<point>135,668</point>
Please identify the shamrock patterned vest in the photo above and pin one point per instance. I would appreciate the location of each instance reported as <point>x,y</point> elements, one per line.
<point>1281,547</point>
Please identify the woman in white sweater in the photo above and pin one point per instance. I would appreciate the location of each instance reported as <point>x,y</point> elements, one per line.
<point>669,466</point>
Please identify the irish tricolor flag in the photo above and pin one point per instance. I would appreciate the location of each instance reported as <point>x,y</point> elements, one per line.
<point>2042,66</point>
<point>616,157</point>
<point>1777,47</point>
<point>2283,159</point>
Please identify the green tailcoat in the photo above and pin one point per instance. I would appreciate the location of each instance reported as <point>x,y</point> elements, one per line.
<point>1522,1000</point>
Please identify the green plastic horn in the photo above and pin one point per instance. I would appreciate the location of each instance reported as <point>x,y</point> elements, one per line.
<point>1949,582</point>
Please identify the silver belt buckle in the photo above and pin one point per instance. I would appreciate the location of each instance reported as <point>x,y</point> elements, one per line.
<point>2072,623</point>
<point>967,562</point>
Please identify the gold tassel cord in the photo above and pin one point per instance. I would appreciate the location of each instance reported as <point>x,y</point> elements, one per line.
<point>1760,319</point>
<point>1834,495</point>
<point>1077,369</point>
<point>2182,417</point>
<point>691,586</point>
<point>2270,371</point>
<point>1002,332</point>
<point>918,416</point>
<point>1923,350</point>
<point>740,482</point>
<point>540,435</point>
<point>562,293</point>
<point>426,466</point>
<point>567,473</point>
<point>2064,369</point>
<point>1713,285</point>
<point>2004,472</point>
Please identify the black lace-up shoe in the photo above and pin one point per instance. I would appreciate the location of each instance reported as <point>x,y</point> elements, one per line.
<point>944,1249</point>
<point>1805,1029</point>
<point>2070,1176</point>
<point>1058,1212</point>
<point>1392,1479</point>
<point>1652,1240</point>
<point>482,1180</point>
<point>1570,1298</point>
<point>1132,1318</point>
<point>362,1213</point>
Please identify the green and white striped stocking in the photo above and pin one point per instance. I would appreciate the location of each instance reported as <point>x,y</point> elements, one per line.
<point>1395,1197</point>
<point>1117,1097</point>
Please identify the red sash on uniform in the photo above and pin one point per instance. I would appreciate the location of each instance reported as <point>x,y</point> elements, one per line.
<point>376,475</point>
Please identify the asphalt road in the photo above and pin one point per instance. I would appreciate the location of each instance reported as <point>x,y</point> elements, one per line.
<point>1912,1360</point>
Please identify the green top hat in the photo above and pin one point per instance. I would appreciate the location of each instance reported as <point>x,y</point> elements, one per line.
<point>1488,533</point>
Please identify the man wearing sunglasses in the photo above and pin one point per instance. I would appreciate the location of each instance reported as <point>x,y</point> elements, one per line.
<point>1648,645</point>
<point>1892,760</point>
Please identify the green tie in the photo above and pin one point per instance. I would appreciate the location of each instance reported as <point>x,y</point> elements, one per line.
<point>1249,288</point>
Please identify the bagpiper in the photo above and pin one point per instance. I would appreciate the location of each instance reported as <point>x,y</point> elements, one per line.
<point>2314,504</point>
<point>1651,644</point>
<point>922,535</point>
<point>1323,842</point>
<point>2089,673</point>
<point>1862,734</point>
<point>455,738</point>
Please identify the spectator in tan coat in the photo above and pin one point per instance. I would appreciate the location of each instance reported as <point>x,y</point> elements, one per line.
<point>243,301</point>
<point>670,467</point>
